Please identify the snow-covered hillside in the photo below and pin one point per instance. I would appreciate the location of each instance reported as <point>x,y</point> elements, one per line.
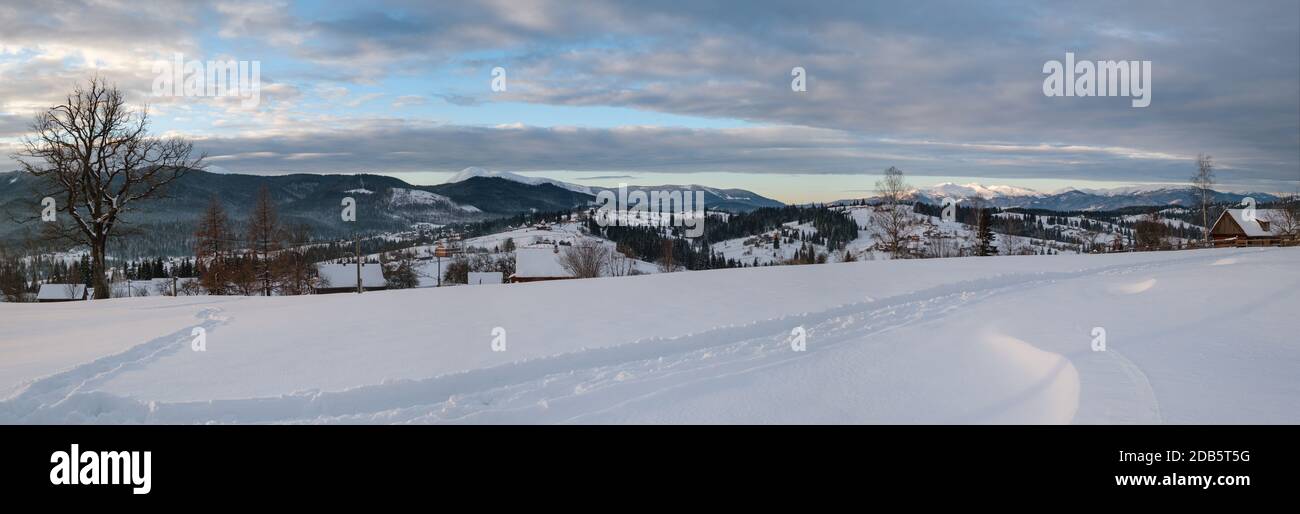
<point>934,237</point>
<point>474,171</point>
<point>403,197</point>
<point>1203,336</point>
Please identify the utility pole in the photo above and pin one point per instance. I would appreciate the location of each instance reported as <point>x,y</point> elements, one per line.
<point>358,254</point>
<point>439,252</point>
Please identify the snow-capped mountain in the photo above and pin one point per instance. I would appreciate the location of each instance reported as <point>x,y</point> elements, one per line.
<point>954,190</point>
<point>474,171</point>
<point>734,200</point>
<point>1078,199</point>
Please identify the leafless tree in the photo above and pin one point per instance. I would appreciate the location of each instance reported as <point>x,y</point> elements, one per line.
<point>1151,232</point>
<point>212,248</point>
<point>264,239</point>
<point>1285,220</point>
<point>98,161</point>
<point>621,262</point>
<point>1203,181</point>
<point>940,244</point>
<point>294,270</point>
<point>585,259</point>
<point>400,270</point>
<point>1094,240</point>
<point>1011,245</point>
<point>190,288</point>
<point>892,221</point>
<point>666,263</point>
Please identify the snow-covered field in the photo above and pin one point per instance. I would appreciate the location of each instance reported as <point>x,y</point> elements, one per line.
<point>1204,336</point>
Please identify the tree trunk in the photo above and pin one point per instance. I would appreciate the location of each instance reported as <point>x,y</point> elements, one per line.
<point>97,272</point>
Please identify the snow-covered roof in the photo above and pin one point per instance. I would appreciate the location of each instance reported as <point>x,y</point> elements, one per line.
<point>345,275</point>
<point>485,277</point>
<point>539,262</point>
<point>1251,227</point>
<point>61,292</point>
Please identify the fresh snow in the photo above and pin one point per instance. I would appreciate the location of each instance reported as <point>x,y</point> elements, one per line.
<point>1199,336</point>
<point>539,262</point>
<point>345,275</point>
<point>402,196</point>
<point>953,190</point>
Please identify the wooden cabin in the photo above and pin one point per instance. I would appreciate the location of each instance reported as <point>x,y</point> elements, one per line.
<point>1235,228</point>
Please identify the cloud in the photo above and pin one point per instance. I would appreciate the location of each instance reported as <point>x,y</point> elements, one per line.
<point>943,87</point>
<point>409,101</point>
<point>461,100</point>
<point>394,145</point>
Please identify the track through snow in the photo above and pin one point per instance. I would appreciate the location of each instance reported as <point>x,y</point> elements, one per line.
<point>723,374</point>
<point>69,396</point>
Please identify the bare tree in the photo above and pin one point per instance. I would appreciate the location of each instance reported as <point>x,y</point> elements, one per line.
<point>1285,220</point>
<point>621,262</point>
<point>1150,232</point>
<point>891,222</point>
<point>292,266</point>
<point>585,259</point>
<point>666,263</point>
<point>1011,245</point>
<point>400,270</point>
<point>940,244</point>
<point>264,239</point>
<point>212,248</point>
<point>1094,240</point>
<point>243,275</point>
<point>98,160</point>
<point>1203,181</point>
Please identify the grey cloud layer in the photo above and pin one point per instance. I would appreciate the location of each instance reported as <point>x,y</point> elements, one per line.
<point>395,146</point>
<point>945,87</point>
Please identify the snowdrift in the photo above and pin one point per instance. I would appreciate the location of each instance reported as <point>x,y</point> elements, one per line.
<point>1205,336</point>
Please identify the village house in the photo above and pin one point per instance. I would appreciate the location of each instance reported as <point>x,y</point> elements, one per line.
<point>538,263</point>
<point>342,278</point>
<point>1234,228</point>
<point>50,293</point>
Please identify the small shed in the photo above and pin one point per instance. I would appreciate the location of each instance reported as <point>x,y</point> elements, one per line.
<point>50,293</point>
<point>342,278</point>
<point>538,263</point>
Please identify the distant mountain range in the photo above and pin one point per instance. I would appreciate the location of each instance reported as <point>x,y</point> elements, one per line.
<point>1074,199</point>
<point>734,200</point>
<point>384,203</point>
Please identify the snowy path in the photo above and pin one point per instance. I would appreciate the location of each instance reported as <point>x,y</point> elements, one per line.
<point>996,349</point>
<point>586,395</point>
<point>69,396</point>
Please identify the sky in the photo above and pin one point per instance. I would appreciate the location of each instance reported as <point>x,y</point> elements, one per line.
<point>691,91</point>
